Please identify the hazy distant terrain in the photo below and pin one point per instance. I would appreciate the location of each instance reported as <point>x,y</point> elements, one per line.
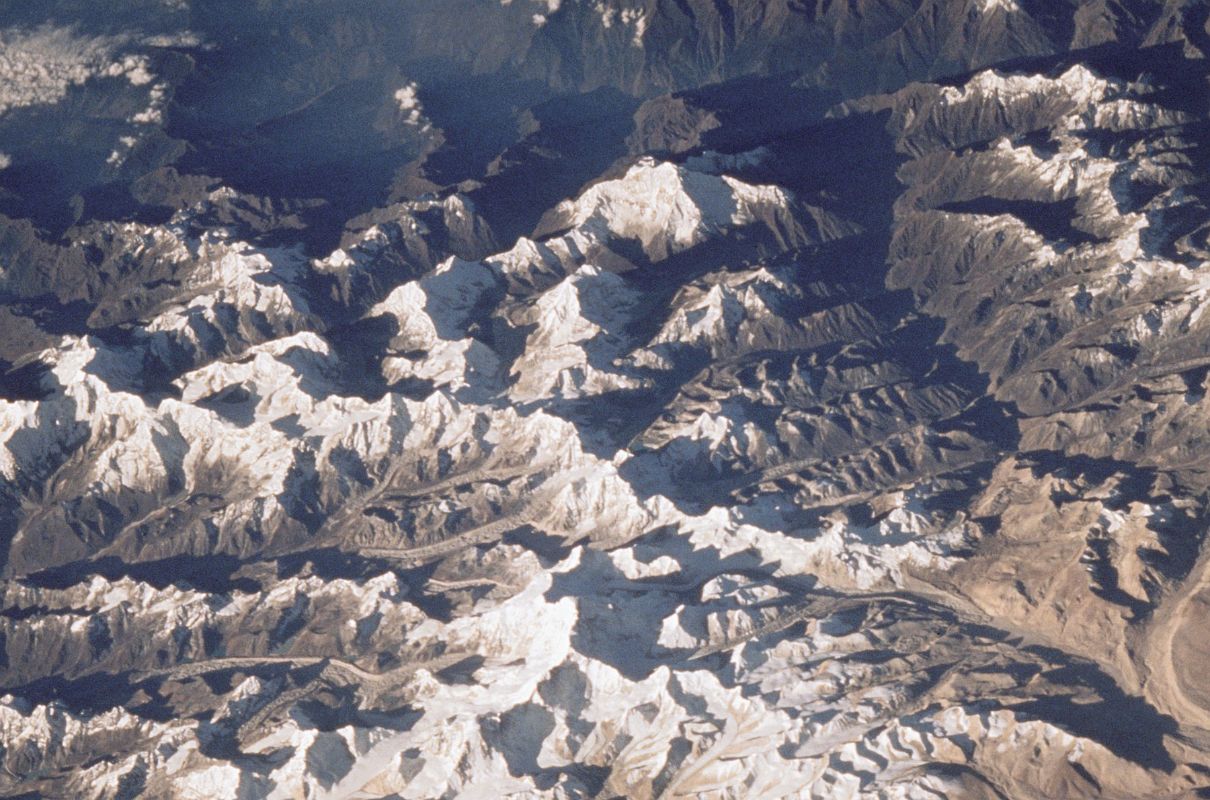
<point>604,399</point>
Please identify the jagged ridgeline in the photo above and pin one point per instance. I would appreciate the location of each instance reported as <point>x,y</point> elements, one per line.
<point>604,399</point>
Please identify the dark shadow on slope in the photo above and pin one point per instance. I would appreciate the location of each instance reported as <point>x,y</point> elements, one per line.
<point>613,627</point>
<point>57,181</point>
<point>847,166</point>
<point>549,549</point>
<point>91,694</point>
<point>26,382</point>
<point>1054,221</point>
<point>693,480</point>
<point>477,114</point>
<point>1125,724</point>
<point>564,143</point>
<point>729,117</point>
<point>215,573</point>
<point>359,349</point>
<point>340,146</point>
<point>236,404</point>
<point>610,421</point>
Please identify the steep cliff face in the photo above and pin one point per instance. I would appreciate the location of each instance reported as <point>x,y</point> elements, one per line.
<point>650,400</point>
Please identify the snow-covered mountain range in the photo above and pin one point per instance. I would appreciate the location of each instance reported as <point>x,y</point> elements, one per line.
<point>647,400</point>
